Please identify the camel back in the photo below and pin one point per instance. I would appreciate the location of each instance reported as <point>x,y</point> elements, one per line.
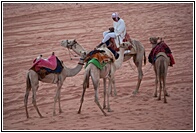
<point>164,55</point>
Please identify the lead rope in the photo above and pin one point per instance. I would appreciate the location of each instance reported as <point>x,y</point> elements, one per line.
<point>71,54</point>
<point>136,71</point>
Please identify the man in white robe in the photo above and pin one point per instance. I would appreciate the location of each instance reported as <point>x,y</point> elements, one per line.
<point>119,31</point>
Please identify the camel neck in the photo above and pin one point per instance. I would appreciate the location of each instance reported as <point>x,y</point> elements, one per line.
<point>119,61</point>
<point>70,72</point>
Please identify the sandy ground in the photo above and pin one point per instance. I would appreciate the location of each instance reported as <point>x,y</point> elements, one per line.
<point>33,29</point>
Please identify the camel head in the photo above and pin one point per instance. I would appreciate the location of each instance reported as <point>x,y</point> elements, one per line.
<point>74,45</point>
<point>68,43</point>
<point>125,45</point>
<point>155,40</point>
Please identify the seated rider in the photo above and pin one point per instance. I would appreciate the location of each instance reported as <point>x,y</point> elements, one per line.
<point>118,32</point>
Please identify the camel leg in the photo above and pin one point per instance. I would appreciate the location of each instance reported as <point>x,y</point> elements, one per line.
<point>55,99</point>
<point>26,101</point>
<point>59,99</point>
<point>59,86</point>
<point>164,83</point>
<point>108,95</point>
<point>156,82</point>
<point>164,80</point>
<point>104,93</point>
<point>156,85</point>
<point>97,101</point>
<point>160,89</point>
<point>164,90</point>
<point>140,76</point>
<point>34,89</point>
<point>114,86</point>
<point>82,99</point>
<point>96,84</point>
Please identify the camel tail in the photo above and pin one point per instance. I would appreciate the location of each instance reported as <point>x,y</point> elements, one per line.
<point>162,69</point>
<point>86,78</point>
<point>28,82</point>
<point>144,57</point>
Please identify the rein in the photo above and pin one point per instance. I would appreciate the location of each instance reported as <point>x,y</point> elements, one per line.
<point>70,53</point>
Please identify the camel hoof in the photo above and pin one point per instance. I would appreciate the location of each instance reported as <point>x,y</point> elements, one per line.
<point>167,95</point>
<point>109,110</point>
<point>27,116</point>
<point>54,113</point>
<point>135,92</point>
<point>155,95</point>
<point>79,112</point>
<point>105,114</point>
<point>60,111</point>
<point>104,107</point>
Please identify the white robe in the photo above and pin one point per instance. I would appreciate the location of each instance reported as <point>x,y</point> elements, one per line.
<point>120,31</point>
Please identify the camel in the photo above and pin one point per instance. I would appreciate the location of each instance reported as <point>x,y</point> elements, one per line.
<point>160,67</point>
<point>138,52</point>
<point>95,74</point>
<point>32,81</point>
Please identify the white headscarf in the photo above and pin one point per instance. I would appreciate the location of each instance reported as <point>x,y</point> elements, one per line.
<point>115,15</point>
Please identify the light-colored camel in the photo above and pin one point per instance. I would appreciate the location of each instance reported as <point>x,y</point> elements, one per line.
<point>95,74</point>
<point>138,52</point>
<point>32,82</point>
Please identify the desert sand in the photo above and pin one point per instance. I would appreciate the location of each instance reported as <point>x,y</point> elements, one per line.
<point>31,29</point>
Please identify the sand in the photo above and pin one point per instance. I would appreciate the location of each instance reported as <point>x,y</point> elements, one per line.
<point>33,29</point>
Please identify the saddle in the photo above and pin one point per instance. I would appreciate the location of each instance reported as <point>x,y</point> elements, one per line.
<point>161,47</point>
<point>113,44</point>
<point>44,67</point>
<point>99,55</point>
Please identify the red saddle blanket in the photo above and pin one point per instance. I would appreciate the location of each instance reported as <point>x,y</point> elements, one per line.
<point>161,47</point>
<point>126,39</point>
<point>50,62</point>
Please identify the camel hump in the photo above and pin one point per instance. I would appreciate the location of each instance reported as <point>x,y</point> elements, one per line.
<point>108,53</point>
<point>164,55</point>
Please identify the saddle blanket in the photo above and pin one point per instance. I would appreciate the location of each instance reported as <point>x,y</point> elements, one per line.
<point>44,67</point>
<point>96,63</point>
<point>50,62</point>
<point>161,47</point>
<point>100,55</point>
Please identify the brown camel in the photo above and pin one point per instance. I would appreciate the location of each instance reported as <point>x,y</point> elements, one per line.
<point>32,81</point>
<point>160,67</point>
